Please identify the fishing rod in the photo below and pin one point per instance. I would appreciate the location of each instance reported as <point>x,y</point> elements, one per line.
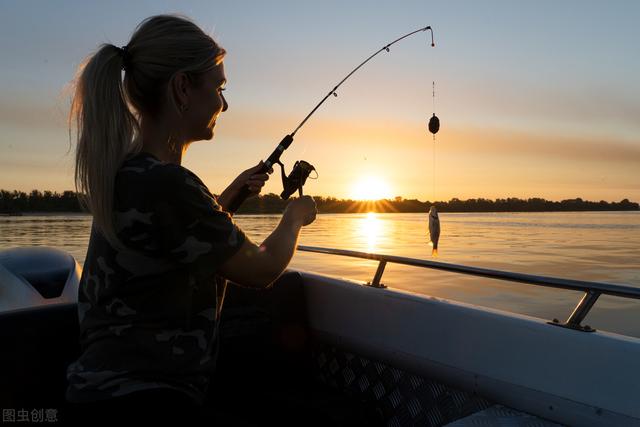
<point>302,169</point>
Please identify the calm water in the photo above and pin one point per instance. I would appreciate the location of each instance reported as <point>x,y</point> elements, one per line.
<point>596,246</point>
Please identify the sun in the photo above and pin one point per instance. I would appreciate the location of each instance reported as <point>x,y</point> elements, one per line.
<point>370,188</point>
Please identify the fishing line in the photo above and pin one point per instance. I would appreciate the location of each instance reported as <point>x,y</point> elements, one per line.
<point>434,127</point>
<point>433,93</point>
<point>434,142</point>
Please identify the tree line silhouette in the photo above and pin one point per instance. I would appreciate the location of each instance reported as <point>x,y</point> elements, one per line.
<point>16,202</point>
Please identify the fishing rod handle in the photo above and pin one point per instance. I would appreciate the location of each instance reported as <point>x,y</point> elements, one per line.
<point>244,192</point>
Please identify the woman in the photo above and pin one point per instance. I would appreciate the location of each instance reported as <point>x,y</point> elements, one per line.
<point>161,246</point>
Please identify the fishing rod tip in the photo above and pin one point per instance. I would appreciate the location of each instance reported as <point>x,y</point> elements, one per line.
<point>428,27</point>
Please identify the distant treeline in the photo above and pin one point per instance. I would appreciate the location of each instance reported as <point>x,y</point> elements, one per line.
<point>15,202</point>
<point>38,201</point>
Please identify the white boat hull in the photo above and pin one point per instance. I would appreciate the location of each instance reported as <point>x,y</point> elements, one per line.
<point>571,377</point>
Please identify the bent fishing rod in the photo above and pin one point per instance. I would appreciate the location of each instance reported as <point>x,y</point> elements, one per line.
<point>302,169</point>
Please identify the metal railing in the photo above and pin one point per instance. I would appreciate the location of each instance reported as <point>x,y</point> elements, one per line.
<point>592,290</point>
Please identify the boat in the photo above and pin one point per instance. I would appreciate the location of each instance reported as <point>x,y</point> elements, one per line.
<point>347,352</point>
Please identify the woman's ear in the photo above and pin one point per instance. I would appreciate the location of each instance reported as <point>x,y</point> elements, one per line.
<point>179,87</point>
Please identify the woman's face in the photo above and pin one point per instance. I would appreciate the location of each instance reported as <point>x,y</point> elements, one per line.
<point>205,104</point>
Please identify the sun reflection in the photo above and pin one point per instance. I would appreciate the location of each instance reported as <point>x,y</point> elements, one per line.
<point>371,228</point>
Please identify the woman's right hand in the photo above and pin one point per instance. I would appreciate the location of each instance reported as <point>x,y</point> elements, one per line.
<point>301,211</point>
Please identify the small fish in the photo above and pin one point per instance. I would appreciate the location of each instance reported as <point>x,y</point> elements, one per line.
<point>434,229</point>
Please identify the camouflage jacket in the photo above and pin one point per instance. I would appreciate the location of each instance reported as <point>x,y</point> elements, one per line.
<point>149,313</point>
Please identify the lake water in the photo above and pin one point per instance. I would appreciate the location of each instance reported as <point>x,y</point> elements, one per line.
<point>593,246</point>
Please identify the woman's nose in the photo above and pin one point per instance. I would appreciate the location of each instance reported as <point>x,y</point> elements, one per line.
<point>225,104</point>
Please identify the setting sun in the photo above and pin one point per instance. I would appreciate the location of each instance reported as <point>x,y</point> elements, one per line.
<point>370,188</point>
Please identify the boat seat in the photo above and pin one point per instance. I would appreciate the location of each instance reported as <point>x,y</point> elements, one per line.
<point>46,269</point>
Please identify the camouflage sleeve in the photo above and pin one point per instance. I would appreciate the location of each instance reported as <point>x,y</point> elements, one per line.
<point>192,227</point>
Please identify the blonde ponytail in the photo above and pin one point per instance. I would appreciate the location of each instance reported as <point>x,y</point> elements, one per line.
<point>106,129</point>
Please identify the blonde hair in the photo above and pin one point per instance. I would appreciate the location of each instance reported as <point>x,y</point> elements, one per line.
<point>107,110</point>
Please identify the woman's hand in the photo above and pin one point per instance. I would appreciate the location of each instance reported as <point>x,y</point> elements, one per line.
<point>301,211</point>
<point>252,177</point>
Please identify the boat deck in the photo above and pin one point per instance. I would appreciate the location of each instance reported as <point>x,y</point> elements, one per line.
<point>501,416</point>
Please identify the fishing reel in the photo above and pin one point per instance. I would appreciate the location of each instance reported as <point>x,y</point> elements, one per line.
<point>296,179</point>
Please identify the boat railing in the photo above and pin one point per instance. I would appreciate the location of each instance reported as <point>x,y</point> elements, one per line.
<point>592,290</point>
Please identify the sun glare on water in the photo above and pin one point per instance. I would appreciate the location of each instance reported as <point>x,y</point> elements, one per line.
<point>370,188</point>
<point>371,229</point>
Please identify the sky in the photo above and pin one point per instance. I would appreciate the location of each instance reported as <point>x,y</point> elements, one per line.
<point>535,99</point>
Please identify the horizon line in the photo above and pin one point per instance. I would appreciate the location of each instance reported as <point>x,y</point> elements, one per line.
<point>384,199</point>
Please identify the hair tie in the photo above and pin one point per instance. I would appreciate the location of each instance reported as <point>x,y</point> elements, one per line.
<point>126,57</point>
